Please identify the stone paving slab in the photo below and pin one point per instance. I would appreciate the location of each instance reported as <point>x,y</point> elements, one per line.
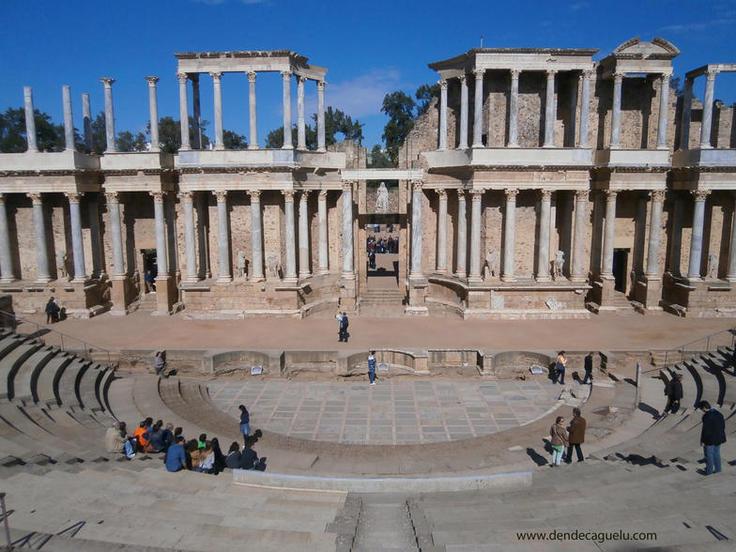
<point>391,412</point>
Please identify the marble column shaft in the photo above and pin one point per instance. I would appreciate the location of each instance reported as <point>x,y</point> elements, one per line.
<point>478,110</point>
<point>6,256</point>
<point>110,138</point>
<point>162,258</point>
<point>286,108</point>
<point>579,238</point>
<point>289,240</point>
<point>153,112</point>
<point>416,230</point>
<point>39,227</point>
<point>256,236</point>
<point>347,230</point>
<point>31,138</point>
<point>183,112</point>
<point>217,96</point>
<point>509,241</point>
<point>618,80</point>
<point>66,96</point>
<point>196,112</point>
<point>443,115</point>
<point>116,237</point>
<point>475,216</point>
<point>463,140</point>
<point>75,223</point>
<point>545,209</point>
<point>252,115</point>
<point>87,121</point>
<point>189,236</point>
<point>462,235</point>
<point>550,111</point>
<point>301,125</point>
<point>304,271</point>
<point>664,110</point>
<point>583,139</point>
<point>223,239</point>
<point>442,232</point>
<point>513,141</point>
<point>609,234</point>
<point>321,115</point>
<point>705,129</point>
<point>687,100</point>
<point>696,240</point>
<point>324,266</point>
<point>655,231</point>
<point>731,276</point>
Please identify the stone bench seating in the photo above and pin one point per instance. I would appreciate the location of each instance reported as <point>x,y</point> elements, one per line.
<point>11,362</point>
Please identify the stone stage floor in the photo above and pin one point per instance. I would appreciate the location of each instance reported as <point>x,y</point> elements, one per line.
<point>390,412</point>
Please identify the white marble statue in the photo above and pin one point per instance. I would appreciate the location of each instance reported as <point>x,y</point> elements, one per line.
<point>382,199</point>
<point>491,265</point>
<point>61,262</point>
<point>558,264</point>
<point>241,264</point>
<point>712,266</point>
<point>273,264</point>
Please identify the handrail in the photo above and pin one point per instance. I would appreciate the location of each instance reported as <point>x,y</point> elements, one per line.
<point>695,347</point>
<point>42,329</point>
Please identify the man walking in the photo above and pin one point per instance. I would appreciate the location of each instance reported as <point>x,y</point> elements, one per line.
<point>588,365</point>
<point>576,436</point>
<point>344,322</point>
<point>712,436</point>
<point>674,394</point>
<point>52,311</point>
<point>372,367</point>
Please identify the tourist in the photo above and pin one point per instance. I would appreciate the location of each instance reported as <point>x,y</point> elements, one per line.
<point>204,460</point>
<point>156,438</point>
<point>576,436</point>
<point>191,450</point>
<point>244,423</point>
<point>712,436</point>
<point>202,441</point>
<point>372,367</point>
<point>249,459</point>
<point>175,459</point>
<point>232,460</point>
<point>558,440</point>
<point>178,432</point>
<point>560,364</point>
<point>168,436</point>
<point>338,317</point>
<point>150,282</point>
<point>52,311</point>
<point>588,366</point>
<point>159,362</point>
<point>673,390</point>
<point>115,438</point>
<point>219,463</point>
<point>344,323</point>
<point>141,436</point>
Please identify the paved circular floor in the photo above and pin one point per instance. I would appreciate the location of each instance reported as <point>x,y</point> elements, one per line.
<point>390,412</point>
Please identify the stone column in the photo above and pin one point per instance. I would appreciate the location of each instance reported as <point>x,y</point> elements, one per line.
<point>416,230</point>
<point>579,239</point>
<point>550,110</point>
<point>463,142</point>
<point>609,234</point>
<point>289,240</point>
<point>304,271</point>
<point>321,115</point>
<point>731,276</point>
<point>475,216</point>
<point>252,117</point>
<point>545,208</point>
<point>705,129</point>
<point>347,230</point>
<point>30,119</point>
<point>162,258</point>
<point>39,227</point>
<point>301,125</point>
<point>687,100</point>
<point>655,230</point>
<point>618,79</point>
<point>478,113</point>
<point>153,112</point>
<point>675,245</point>
<point>66,95</point>
<point>286,100</point>
<point>462,235</point>
<point>584,109</point>
<point>509,241</point>
<point>116,237</point>
<point>183,112</point>
<point>442,232</point>
<point>87,124</point>
<point>256,236</point>
<point>190,251</point>
<point>6,256</point>
<point>196,112</point>
<point>75,223</point>
<point>223,240</point>
<point>110,138</point>
<point>217,95</point>
<point>514,109</point>
<point>324,265</point>
<point>443,115</point>
<point>664,110</point>
<point>696,240</point>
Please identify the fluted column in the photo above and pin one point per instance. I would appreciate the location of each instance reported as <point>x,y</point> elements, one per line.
<point>289,240</point>
<point>116,234</point>
<point>30,119</point>
<point>478,109</point>
<point>442,232</point>
<point>39,227</point>
<point>183,112</point>
<point>618,79</point>
<point>66,95</point>
<point>463,143</point>
<point>304,271</point>
<point>705,129</point>
<point>696,240</point>
<point>687,101</point>
<point>475,216</point>
<point>75,223</point>
<point>217,96</point>
<point>509,241</point>
<point>443,115</point>
<point>664,110</point>
<point>609,234</point>
<point>110,138</point>
<point>324,266</point>
<point>196,112</point>
<point>545,209</point>
<point>286,102</point>
<point>462,236</point>
<point>223,240</point>
<point>731,276</point>
<point>190,238</point>
<point>256,236</point>
<point>584,109</point>
<point>416,229</point>
<point>252,116</point>
<point>321,115</point>
<point>87,121</point>
<point>514,109</point>
<point>655,230</point>
<point>153,112</point>
<point>550,110</point>
<point>162,257</point>
<point>579,238</point>
<point>301,125</point>
<point>347,230</point>
<point>6,256</point>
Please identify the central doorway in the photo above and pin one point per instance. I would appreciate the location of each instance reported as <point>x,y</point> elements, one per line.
<point>382,253</point>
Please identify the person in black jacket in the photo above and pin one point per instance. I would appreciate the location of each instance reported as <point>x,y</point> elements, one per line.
<point>344,322</point>
<point>588,365</point>
<point>232,460</point>
<point>674,394</point>
<point>712,436</point>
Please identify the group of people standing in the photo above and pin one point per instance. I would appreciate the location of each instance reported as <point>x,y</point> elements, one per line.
<point>570,437</point>
<point>560,367</point>
<point>53,311</point>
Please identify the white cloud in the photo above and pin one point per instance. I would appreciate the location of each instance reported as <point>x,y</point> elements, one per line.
<point>220,2</point>
<point>577,6</point>
<point>363,95</point>
<point>697,26</point>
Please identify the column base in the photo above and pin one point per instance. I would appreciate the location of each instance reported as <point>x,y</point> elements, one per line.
<point>461,275</point>
<point>508,278</point>
<point>219,148</point>
<point>578,279</point>
<point>224,279</point>
<point>165,295</point>
<point>287,147</point>
<point>119,295</point>
<point>256,279</point>
<point>649,292</point>
<point>80,280</point>
<point>7,280</point>
<point>321,150</point>
<point>543,279</point>
<point>473,279</point>
<point>303,275</point>
<point>323,271</point>
<point>290,281</point>
<point>43,280</point>
<point>253,147</point>
<point>512,145</point>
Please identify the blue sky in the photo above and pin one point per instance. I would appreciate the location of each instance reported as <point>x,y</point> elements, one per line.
<point>369,48</point>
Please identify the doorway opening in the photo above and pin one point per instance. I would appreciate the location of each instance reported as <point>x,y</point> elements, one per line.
<point>150,269</point>
<point>620,262</point>
<point>382,252</point>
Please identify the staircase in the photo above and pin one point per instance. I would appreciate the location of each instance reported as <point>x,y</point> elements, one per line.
<point>381,303</point>
<point>147,303</point>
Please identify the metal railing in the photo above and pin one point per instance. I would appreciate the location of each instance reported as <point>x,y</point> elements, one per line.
<point>691,349</point>
<point>49,336</point>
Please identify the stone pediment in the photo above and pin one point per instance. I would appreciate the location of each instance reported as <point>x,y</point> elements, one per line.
<point>635,48</point>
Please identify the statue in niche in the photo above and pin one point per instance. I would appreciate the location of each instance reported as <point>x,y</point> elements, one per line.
<point>241,263</point>
<point>490,268</point>
<point>61,264</point>
<point>273,265</point>
<point>382,199</point>
<point>558,264</point>
<point>712,266</point>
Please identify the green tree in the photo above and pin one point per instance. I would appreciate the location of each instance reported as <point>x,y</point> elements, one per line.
<point>233,140</point>
<point>129,142</point>
<point>169,134</point>
<point>424,95</point>
<point>336,122</point>
<point>49,137</point>
<point>400,108</point>
<point>378,159</point>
